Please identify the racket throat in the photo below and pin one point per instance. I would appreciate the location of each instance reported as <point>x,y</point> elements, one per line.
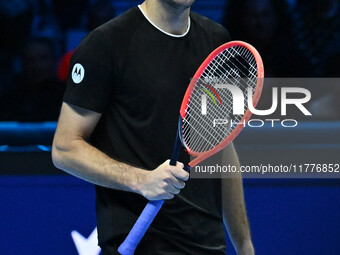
<point>177,144</point>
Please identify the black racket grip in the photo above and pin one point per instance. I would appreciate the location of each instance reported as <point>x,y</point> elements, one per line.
<point>176,150</point>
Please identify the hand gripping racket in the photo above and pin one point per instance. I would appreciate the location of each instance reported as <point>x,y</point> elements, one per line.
<point>213,112</point>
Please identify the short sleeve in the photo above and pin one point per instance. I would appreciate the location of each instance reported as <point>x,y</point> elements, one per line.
<point>223,34</point>
<point>90,77</point>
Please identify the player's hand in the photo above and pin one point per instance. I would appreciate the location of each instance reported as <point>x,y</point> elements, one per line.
<point>164,182</point>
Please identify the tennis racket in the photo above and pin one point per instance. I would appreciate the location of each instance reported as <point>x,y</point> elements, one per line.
<point>211,115</point>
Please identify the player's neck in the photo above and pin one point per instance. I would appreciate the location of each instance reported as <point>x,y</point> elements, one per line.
<point>169,18</point>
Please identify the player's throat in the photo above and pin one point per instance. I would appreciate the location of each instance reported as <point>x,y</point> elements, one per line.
<point>175,22</point>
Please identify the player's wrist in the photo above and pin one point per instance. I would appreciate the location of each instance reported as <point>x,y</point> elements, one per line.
<point>138,185</point>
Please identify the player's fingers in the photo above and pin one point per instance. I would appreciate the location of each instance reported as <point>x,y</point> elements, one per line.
<point>180,173</point>
<point>175,191</point>
<point>179,164</point>
<point>168,196</point>
<point>170,186</point>
<point>177,183</point>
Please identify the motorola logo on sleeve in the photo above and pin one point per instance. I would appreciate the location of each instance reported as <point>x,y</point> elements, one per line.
<point>78,73</point>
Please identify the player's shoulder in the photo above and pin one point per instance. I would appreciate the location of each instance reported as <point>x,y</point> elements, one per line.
<point>121,25</point>
<point>126,21</point>
<point>116,32</point>
<point>209,26</point>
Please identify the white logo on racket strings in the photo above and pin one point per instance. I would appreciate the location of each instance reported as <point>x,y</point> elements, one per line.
<point>238,100</point>
<point>78,73</point>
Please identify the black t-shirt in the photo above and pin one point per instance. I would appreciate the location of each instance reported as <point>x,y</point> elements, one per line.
<point>136,76</point>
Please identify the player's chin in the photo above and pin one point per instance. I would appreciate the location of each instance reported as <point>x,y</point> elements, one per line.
<point>180,3</point>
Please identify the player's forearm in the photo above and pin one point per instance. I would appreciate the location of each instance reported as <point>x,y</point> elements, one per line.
<point>88,163</point>
<point>233,205</point>
<point>235,216</point>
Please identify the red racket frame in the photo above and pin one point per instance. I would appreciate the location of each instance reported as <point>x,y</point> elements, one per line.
<point>200,156</point>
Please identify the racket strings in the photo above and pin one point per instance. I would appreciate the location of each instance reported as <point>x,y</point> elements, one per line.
<point>199,134</point>
<point>228,74</point>
<point>204,131</point>
<point>225,57</point>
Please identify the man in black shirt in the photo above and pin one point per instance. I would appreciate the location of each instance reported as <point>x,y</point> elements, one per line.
<point>126,83</point>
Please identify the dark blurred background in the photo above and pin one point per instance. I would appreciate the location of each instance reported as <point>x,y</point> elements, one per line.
<point>40,205</point>
<point>296,38</point>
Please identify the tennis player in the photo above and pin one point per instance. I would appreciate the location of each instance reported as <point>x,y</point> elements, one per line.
<point>117,125</point>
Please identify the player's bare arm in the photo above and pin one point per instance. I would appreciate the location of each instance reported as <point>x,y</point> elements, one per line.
<point>73,154</point>
<point>233,205</point>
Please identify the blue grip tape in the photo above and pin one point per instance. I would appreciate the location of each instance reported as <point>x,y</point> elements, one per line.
<point>141,226</point>
<point>150,211</point>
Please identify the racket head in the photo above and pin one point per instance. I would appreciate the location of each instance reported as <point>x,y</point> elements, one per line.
<point>230,62</point>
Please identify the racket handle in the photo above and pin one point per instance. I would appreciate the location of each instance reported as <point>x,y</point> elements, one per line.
<point>175,150</point>
<point>150,211</point>
<point>141,226</point>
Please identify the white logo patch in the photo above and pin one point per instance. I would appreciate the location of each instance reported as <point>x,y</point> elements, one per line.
<point>78,73</point>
